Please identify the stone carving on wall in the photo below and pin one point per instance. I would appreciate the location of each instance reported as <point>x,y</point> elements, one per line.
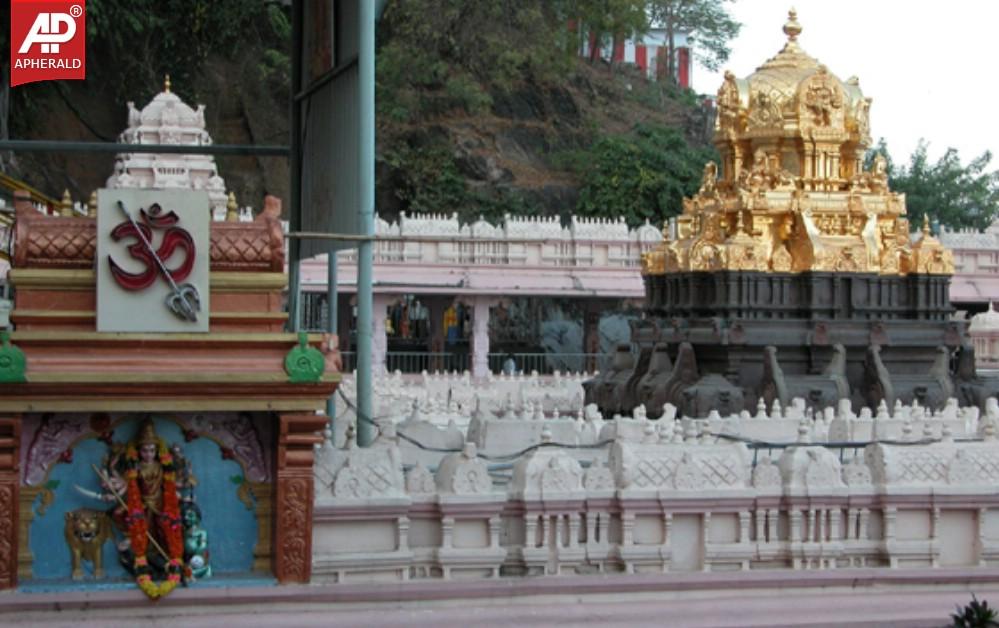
<point>909,465</point>
<point>598,478</point>
<point>962,470</point>
<point>655,466</point>
<point>419,481</point>
<point>544,473</point>
<point>856,474</point>
<point>464,473</point>
<point>766,475</point>
<point>688,475</point>
<point>562,475</point>
<point>807,468</point>
<point>370,473</point>
<point>239,434</point>
<point>54,435</point>
<point>8,553</point>
<point>294,542</point>
<point>974,465</point>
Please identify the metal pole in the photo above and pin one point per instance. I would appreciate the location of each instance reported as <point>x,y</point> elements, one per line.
<point>366,176</point>
<point>54,146</point>
<point>331,319</point>
<point>295,211</point>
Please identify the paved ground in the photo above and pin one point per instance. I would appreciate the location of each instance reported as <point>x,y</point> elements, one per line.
<point>910,606</point>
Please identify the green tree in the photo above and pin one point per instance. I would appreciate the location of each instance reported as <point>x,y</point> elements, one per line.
<point>949,192</point>
<point>643,176</point>
<point>708,26</point>
<point>440,55</point>
<point>132,44</point>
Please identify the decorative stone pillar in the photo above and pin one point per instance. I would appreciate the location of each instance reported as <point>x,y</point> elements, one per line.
<point>379,338</point>
<point>480,335</point>
<point>297,434</point>
<point>10,438</point>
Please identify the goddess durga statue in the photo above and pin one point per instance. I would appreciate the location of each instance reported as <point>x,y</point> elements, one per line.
<point>152,489</point>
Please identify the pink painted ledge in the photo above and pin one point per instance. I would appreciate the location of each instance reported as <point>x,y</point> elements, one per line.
<point>435,589</point>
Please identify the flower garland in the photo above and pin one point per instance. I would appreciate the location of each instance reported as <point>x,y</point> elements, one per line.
<point>169,524</point>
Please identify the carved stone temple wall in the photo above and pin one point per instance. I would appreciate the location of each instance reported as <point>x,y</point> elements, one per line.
<point>667,496</point>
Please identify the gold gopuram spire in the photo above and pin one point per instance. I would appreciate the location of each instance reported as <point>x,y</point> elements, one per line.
<point>791,194</point>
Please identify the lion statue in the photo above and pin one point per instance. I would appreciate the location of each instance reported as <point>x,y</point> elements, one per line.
<point>86,532</point>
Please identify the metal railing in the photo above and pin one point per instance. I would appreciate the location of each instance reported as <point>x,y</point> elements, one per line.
<point>430,361</point>
<point>543,363</point>
<point>548,363</point>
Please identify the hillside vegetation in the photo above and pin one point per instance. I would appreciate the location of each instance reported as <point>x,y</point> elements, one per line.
<point>483,108</point>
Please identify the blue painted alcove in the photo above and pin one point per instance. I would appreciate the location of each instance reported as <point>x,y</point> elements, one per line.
<point>231,526</point>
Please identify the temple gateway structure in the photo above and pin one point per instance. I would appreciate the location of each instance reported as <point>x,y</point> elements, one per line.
<point>792,273</point>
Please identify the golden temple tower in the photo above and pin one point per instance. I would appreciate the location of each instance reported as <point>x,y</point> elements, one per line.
<point>792,273</point>
<point>791,194</point>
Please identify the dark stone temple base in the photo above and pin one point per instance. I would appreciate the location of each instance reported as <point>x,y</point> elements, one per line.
<point>810,296</point>
<point>720,341</point>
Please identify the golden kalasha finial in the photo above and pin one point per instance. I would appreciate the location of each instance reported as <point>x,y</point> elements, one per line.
<point>792,28</point>
<point>166,84</point>
<point>232,209</point>
<point>67,204</point>
<point>926,225</point>
<point>92,205</point>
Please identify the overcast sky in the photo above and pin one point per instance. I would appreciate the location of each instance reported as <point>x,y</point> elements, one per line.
<point>929,66</point>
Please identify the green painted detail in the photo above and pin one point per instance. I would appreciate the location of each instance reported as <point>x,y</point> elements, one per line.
<point>303,363</point>
<point>12,362</point>
<point>52,485</point>
<point>237,479</point>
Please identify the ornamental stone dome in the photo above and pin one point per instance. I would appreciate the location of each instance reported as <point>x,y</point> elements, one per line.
<point>987,321</point>
<point>169,120</point>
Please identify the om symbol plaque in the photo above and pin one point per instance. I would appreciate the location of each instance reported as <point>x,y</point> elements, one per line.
<point>153,260</point>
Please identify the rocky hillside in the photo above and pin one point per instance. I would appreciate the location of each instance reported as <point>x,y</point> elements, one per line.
<point>525,151</point>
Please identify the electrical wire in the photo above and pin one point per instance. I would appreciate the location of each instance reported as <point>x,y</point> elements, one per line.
<point>448,450</point>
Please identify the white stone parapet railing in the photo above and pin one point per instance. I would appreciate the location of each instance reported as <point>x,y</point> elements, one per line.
<point>675,502</point>
<point>506,414</point>
<point>523,241</point>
